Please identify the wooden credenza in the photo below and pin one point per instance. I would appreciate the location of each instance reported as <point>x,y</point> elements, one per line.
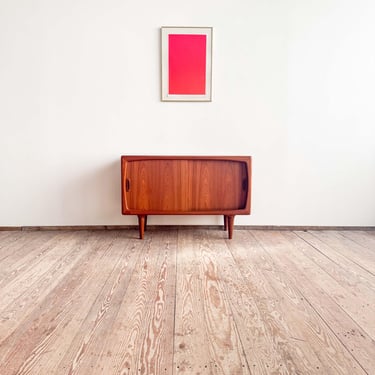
<point>186,185</point>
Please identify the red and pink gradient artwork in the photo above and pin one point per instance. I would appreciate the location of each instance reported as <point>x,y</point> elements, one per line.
<point>187,64</point>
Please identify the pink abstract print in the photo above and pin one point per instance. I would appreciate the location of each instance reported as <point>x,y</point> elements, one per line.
<point>187,64</point>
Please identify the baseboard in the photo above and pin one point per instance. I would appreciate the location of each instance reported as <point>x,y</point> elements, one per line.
<point>213,227</point>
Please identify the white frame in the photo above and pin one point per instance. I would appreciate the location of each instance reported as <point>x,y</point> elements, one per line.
<point>165,31</point>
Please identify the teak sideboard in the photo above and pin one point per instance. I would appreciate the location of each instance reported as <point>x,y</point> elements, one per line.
<point>186,185</point>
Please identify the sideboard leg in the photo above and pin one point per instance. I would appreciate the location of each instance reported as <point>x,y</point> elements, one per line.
<point>230,226</point>
<point>145,223</point>
<point>141,225</point>
<point>225,222</point>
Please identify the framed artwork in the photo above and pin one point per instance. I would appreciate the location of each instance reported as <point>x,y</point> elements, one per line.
<point>186,63</point>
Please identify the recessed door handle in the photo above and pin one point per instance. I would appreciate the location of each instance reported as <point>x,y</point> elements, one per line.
<point>244,184</point>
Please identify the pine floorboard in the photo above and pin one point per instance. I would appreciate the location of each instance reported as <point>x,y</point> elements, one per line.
<point>187,301</point>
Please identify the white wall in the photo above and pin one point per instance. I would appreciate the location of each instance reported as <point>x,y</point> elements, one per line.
<point>293,86</point>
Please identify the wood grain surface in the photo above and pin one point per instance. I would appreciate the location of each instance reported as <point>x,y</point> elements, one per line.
<point>187,301</point>
<point>185,185</point>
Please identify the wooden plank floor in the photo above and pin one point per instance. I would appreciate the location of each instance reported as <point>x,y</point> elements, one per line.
<point>187,301</point>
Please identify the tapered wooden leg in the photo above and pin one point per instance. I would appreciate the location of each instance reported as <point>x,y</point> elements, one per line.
<point>230,226</point>
<point>145,223</point>
<point>225,222</point>
<point>141,225</point>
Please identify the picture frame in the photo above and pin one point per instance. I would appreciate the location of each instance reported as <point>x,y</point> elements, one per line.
<point>186,63</point>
